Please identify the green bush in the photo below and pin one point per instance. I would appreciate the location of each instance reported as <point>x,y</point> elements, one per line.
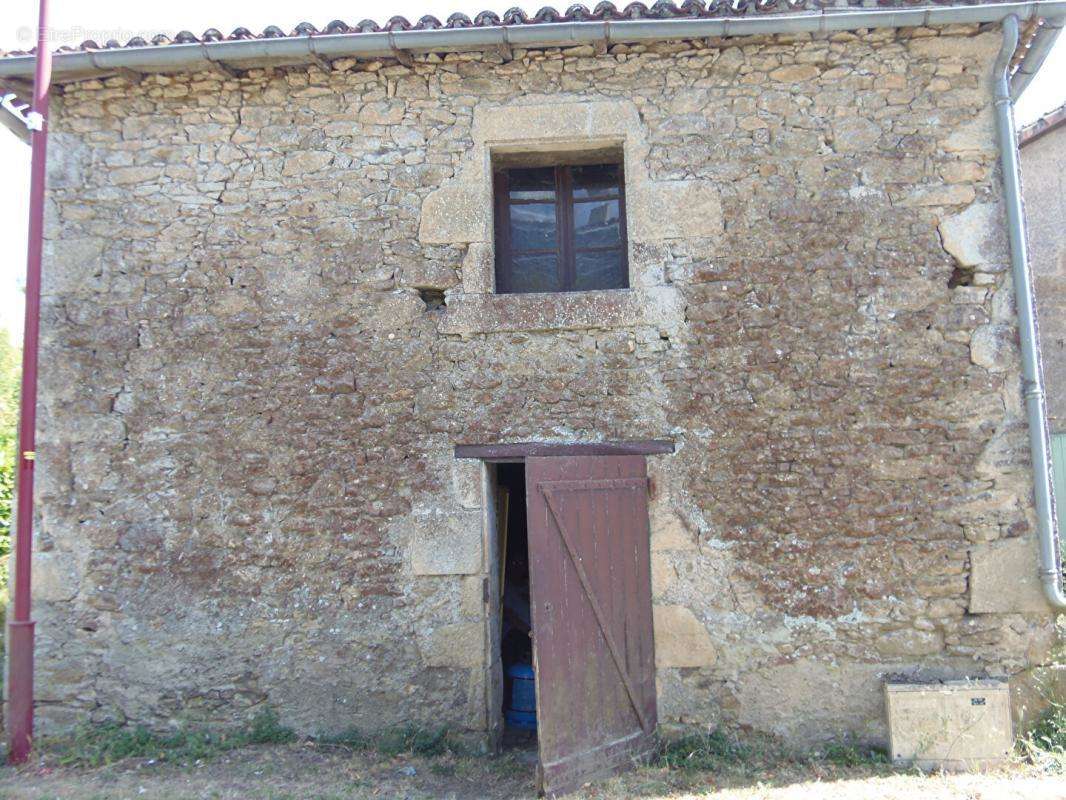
<point>266,728</point>
<point>1045,744</point>
<point>1050,731</point>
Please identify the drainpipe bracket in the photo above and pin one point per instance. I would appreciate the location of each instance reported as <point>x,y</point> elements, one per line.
<point>1034,391</point>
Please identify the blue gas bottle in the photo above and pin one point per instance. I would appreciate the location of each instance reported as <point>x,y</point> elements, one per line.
<point>521,711</point>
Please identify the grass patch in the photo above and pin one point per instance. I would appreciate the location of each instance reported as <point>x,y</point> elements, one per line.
<point>848,754</point>
<point>107,743</point>
<point>397,741</point>
<point>702,751</point>
<point>722,751</point>
<point>97,745</point>
<point>443,769</point>
<point>716,751</point>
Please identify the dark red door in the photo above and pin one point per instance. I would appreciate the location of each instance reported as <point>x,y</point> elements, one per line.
<point>590,584</point>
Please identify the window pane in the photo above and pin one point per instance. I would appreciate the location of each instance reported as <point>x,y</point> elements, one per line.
<point>531,184</point>
<point>594,180</point>
<point>596,223</point>
<point>533,226</point>
<point>534,273</point>
<point>599,270</point>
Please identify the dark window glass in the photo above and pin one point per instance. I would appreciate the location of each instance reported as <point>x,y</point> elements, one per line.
<point>533,226</point>
<point>560,229</point>
<point>599,269</point>
<point>535,272</point>
<point>596,224</point>
<point>601,180</point>
<point>532,184</point>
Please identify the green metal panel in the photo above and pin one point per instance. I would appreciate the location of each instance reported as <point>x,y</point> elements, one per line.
<point>1058,469</point>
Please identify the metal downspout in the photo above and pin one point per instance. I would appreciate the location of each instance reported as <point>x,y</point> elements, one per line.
<point>20,629</point>
<point>1032,377</point>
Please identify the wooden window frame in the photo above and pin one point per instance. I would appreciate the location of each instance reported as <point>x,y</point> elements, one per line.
<point>565,234</point>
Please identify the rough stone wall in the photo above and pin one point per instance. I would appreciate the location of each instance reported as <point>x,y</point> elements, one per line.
<point>247,487</point>
<point>1044,188</point>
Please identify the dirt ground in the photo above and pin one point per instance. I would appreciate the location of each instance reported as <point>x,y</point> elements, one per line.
<point>315,772</point>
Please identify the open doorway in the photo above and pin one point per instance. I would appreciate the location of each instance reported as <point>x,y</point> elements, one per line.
<point>518,703</point>
<point>572,679</point>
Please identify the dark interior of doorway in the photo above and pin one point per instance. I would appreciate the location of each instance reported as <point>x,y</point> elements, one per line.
<point>516,633</point>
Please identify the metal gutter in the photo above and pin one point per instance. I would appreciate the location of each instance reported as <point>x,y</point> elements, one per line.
<point>1038,50</point>
<point>1032,375</point>
<point>302,49</point>
<point>11,122</point>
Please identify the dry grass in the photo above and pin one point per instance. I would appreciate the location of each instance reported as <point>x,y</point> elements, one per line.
<point>309,771</point>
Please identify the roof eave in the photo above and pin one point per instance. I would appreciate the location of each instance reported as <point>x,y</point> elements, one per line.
<point>72,66</point>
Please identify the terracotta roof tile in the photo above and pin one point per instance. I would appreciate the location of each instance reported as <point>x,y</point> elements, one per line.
<point>1046,124</point>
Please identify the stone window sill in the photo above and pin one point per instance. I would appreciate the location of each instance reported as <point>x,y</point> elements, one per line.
<point>468,314</point>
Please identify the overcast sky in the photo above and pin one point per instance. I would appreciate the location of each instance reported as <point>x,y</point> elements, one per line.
<point>73,21</point>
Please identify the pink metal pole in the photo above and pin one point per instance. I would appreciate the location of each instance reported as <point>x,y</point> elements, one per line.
<point>20,628</point>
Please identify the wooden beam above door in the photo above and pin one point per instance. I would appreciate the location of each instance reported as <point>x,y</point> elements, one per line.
<point>518,451</point>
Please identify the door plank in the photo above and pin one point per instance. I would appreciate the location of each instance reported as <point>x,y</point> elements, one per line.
<point>605,630</point>
<point>591,601</point>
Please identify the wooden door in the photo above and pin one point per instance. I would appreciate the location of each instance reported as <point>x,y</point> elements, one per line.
<point>590,585</point>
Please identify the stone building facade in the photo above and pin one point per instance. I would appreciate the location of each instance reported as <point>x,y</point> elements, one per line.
<point>248,487</point>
